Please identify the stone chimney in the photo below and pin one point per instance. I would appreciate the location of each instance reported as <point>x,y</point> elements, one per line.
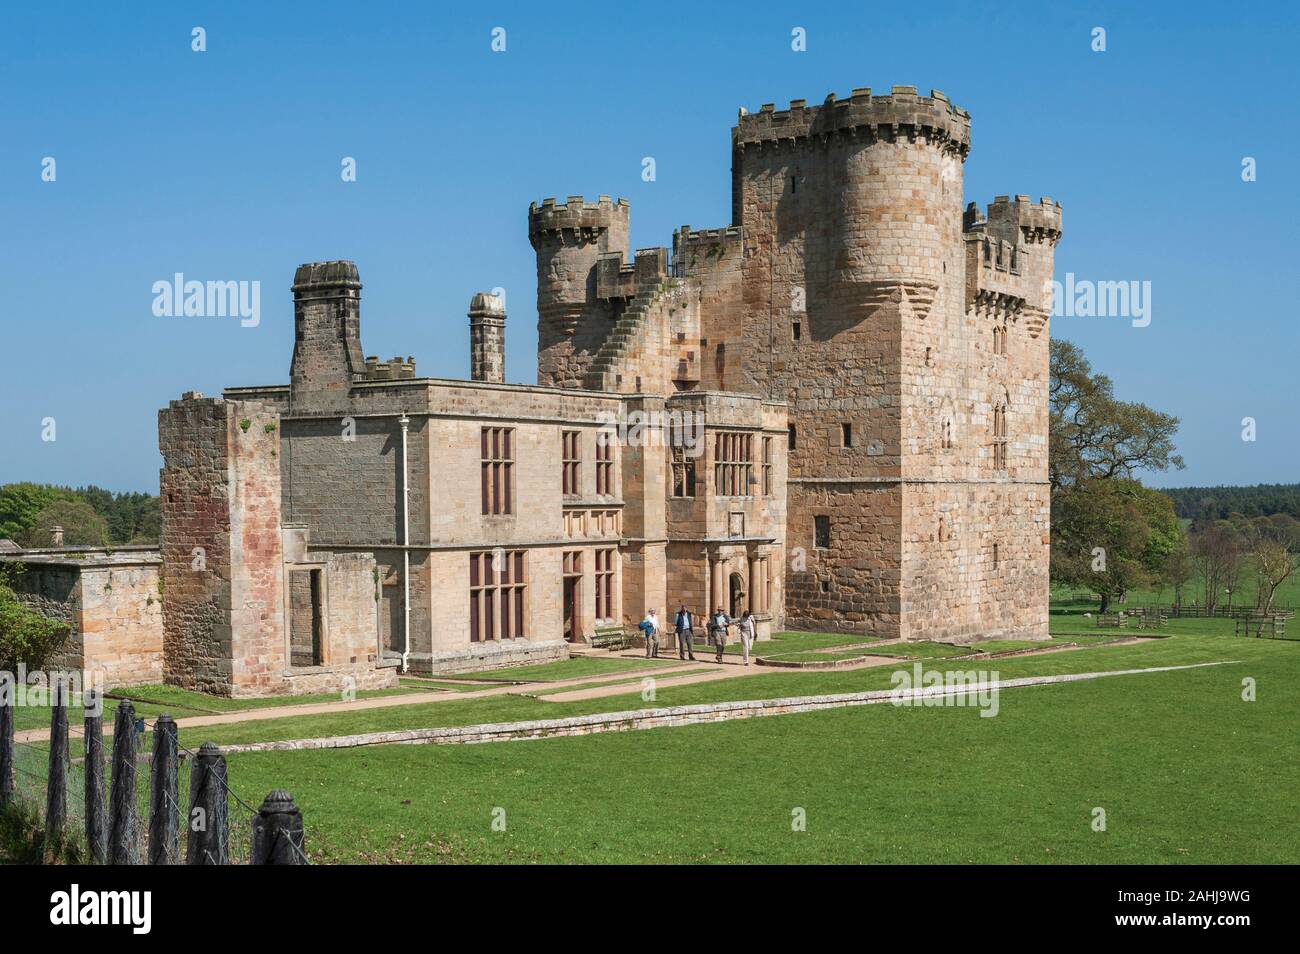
<point>327,356</point>
<point>487,338</point>
<point>56,536</point>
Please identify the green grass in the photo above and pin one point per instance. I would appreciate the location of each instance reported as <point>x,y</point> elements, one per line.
<point>152,701</point>
<point>791,641</point>
<point>918,650</point>
<point>200,702</point>
<point>1288,594</point>
<point>573,668</point>
<point>1067,618</point>
<point>1186,771</point>
<point>816,656</point>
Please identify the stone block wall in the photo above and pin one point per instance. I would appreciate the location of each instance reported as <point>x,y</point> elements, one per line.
<point>112,603</point>
<point>223,567</point>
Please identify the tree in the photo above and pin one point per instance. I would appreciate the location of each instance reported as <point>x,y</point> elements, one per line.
<point>1179,568</point>
<point>81,525</point>
<point>21,503</point>
<point>1091,434</point>
<point>26,636</point>
<point>1217,553</point>
<point>1274,543</point>
<point>1112,535</point>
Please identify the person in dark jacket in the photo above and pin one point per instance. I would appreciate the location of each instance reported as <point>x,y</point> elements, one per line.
<point>685,628</point>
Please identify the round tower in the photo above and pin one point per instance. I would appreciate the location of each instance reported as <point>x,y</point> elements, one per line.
<point>568,240</point>
<point>883,177</point>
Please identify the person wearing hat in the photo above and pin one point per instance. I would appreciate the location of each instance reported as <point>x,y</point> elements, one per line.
<point>718,624</point>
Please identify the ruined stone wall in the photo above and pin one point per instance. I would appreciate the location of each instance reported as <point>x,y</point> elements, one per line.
<point>113,606</point>
<point>196,543</point>
<point>223,611</point>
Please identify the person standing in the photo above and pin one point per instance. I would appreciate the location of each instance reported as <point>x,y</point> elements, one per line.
<point>684,626</point>
<point>718,630</point>
<point>748,633</point>
<point>650,626</point>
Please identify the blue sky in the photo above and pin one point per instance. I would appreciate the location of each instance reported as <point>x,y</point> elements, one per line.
<point>226,165</point>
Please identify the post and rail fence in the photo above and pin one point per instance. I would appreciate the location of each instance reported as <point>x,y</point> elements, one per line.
<point>108,808</point>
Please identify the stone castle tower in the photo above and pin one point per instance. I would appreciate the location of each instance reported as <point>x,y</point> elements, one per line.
<point>908,337</point>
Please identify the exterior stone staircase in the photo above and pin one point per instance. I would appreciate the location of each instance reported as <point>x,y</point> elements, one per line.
<point>602,373</point>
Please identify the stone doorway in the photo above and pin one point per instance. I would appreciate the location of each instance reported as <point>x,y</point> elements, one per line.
<point>736,592</point>
<point>305,618</point>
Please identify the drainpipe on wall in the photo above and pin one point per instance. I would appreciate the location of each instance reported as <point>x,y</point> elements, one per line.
<point>405,421</point>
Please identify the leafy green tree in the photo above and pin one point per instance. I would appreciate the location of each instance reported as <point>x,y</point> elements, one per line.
<point>1112,535</point>
<point>81,525</point>
<point>25,635</point>
<point>1091,434</point>
<point>21,503</point>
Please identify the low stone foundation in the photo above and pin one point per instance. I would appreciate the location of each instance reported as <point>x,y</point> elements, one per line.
<point>493,655</point>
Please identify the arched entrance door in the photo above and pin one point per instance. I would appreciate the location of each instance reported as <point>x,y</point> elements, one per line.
<point>737,595</point>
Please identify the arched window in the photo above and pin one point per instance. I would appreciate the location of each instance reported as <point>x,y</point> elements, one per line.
<point>1000,436</point>
<point>943,529</point>
<point>945,434</point>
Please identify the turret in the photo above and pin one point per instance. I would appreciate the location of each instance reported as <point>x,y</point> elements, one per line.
<point>1010,255</point>
<point>570,240</point>
<point>873,182</point>
<point>487,338</point>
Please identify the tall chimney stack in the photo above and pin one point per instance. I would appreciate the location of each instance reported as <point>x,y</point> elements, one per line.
<point>327,355</point>
<point>487,338</point>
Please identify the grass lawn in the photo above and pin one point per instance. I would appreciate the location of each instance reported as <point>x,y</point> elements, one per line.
<point>1186,771</point>
<point>918,650</point>
<point>152,701</point>
<point>573,668</point>
<point>792,641</point>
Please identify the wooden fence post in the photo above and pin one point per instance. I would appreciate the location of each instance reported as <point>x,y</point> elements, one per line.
<point>8,690</point>
<point>56,782</point>
<point>121,805</point>
<point>96,828</point>
<point>278,831</point>
<point>208,840</point>
<point>164,796</point>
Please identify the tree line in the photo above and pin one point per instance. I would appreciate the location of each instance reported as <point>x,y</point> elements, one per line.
<point>90,516</point>
<point>1206,504</point>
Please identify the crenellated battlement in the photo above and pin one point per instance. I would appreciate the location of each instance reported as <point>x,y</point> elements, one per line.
<point>900,115</point>
<point>1017,221</point>
<point>577,217</point>
<point>618,279</point>
<point>394,369</point>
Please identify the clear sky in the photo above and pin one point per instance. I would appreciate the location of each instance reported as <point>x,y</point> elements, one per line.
<point>225,165</point>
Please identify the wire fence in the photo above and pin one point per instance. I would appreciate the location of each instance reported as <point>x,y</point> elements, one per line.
<point>184,809</point>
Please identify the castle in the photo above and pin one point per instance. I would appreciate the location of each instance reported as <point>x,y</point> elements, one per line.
<point>844,400</point>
